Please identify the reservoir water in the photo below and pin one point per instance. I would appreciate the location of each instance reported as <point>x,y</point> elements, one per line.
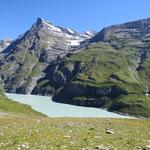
<point>45,105</point>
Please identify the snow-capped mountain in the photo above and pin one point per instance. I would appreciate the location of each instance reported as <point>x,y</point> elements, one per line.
<point>27,57</point>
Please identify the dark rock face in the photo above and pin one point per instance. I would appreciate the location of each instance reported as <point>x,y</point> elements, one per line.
<point>58,78</point>
<point>87,95</point>
<point>142,54</point>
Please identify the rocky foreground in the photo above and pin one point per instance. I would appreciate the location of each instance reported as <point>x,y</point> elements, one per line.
<point>22,132</point>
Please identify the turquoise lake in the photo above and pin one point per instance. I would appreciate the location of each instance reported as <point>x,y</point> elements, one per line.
<point>45,105</point>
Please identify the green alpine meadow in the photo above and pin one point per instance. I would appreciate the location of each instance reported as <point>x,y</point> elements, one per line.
<point>22,132</point>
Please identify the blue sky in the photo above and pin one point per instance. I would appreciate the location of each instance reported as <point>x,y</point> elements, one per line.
<point>18,15</point>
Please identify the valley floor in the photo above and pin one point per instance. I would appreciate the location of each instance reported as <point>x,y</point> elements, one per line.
<point>43,133</point>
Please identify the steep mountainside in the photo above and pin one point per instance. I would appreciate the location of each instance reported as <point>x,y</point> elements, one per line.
<point>25,59</point>
<point>110,69</point>
<point>112,72</point>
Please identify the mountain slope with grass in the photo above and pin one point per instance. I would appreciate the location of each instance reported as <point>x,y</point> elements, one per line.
<point>111,72</point>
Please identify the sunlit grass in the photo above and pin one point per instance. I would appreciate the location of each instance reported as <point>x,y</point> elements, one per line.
<point>72,133</point>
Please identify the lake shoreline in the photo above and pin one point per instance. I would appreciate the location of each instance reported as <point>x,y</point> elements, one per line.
<point>45,105</point>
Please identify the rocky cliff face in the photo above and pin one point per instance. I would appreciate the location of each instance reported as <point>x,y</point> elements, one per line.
<point>25,59</point>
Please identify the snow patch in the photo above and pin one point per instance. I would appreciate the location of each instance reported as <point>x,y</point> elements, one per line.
<point>68,36</point>
<point>86,36</point>
<point>89,33</point>
<point>7,44</point>
<point>51,27</point>
<point>75,42</point>
<point>71,31</point>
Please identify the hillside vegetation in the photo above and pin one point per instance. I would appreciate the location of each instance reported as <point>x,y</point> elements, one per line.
<point>100,76</point>
<point>8,106</point>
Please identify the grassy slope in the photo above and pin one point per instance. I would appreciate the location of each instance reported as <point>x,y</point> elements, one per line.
<point>99,63</point>
<point>72,134</point>
<point>144,71</point>
<point>11,107</point>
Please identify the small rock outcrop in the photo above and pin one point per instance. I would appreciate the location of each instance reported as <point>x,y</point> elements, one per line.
<point>109,131</point>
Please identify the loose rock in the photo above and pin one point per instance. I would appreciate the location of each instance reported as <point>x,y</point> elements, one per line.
<point>109,131</point>
<point>147,147</point>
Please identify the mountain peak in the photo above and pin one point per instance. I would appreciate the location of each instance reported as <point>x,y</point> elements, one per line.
<point>47,25</point>
<point>39,21</point>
